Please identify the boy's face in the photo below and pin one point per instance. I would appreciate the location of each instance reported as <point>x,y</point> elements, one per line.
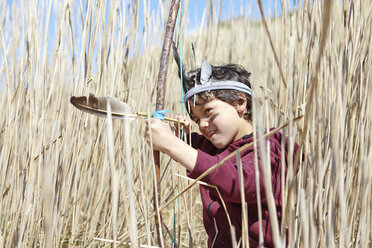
<point>220,122</point>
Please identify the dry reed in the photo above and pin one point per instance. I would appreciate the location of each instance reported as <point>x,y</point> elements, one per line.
<point>62,183</point>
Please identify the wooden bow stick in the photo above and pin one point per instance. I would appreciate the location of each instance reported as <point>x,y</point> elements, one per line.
<point>164,59</point>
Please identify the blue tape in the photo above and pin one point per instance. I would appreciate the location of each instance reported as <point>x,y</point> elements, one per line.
<point>159,114</point>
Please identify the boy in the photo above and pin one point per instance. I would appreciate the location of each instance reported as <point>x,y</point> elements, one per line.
<point>219,100</point>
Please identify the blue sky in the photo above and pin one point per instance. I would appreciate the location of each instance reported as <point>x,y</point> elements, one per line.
<point>231,8</point>
<point>196,8</point>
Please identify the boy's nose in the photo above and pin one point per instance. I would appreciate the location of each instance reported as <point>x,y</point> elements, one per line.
<point>203,123</point>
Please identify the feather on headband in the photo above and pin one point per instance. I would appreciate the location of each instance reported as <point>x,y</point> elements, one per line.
<point>205,79</point>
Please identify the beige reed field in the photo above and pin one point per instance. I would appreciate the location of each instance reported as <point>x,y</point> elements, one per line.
<point>70,179</point>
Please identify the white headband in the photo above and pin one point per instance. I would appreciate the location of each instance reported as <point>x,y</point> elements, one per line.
<point>207,85</point>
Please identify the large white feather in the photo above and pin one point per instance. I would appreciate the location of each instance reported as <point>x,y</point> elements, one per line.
<point>98,106</point>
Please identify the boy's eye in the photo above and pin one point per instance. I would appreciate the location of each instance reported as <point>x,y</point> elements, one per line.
<point>208,110</point>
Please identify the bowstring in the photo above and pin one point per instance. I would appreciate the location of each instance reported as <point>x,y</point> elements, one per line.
<point>183,111</point>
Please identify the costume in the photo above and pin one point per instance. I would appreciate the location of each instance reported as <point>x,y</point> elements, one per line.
<point>226,179</point>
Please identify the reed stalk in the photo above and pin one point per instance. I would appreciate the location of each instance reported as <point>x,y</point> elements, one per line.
<point>57,184</point>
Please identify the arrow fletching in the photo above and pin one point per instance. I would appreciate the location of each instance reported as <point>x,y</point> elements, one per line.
<point>119,109</point>
<point>98,106</point>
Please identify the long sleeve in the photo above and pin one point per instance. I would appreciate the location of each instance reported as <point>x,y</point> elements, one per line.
<point>226,177</point>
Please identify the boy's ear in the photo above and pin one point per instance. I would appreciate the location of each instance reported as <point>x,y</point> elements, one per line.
<point>241,104</point>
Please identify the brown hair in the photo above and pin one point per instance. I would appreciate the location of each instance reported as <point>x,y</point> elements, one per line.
<point>232,72</point>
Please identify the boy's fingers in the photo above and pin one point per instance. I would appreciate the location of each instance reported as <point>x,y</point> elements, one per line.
<point>184,119</point>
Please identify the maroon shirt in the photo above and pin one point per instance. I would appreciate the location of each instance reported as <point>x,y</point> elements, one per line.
<point>227,181</point>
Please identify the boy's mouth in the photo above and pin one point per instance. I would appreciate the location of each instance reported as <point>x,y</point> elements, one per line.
<point>210,134</point>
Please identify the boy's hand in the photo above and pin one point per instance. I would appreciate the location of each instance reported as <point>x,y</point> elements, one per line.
<point>178,126</point>
<point>165,141</point>
<point>162,135</point>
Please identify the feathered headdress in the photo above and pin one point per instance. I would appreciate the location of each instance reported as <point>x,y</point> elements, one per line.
<point>206,80</point>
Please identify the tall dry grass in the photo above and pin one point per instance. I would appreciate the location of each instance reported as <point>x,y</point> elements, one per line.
<point>62,186</point>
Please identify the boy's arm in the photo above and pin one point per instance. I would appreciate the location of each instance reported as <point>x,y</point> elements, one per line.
<point>164,140</point>
<point>182,153</point>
